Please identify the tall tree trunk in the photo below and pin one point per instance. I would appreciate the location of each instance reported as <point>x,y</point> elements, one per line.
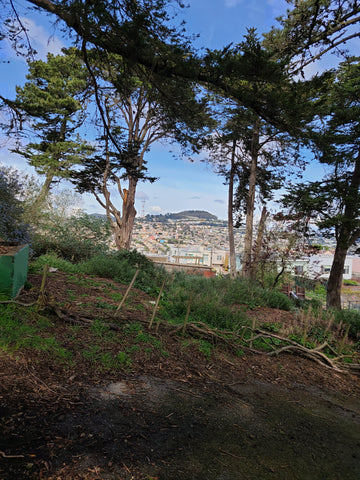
<point>45,189</point>
<point>333,293</point>
<point>250,204</point>
<point>128,214</point>
<point>230,214</point>
<point>258,243</point>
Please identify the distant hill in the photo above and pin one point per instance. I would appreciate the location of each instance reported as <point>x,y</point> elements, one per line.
<point>195,214</point>
<point>186,214</point>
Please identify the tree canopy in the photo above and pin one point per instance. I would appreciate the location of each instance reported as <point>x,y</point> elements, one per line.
<point>145,34</point>
<point>334,201</point>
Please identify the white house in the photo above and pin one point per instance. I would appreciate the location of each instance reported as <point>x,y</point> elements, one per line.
<point>319,266</point>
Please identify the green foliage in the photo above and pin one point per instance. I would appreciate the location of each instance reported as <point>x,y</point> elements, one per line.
<point>77,238</point>
<point>18,332</point>
<point>350,282</point>
<point>53,100</point>
<point>271,327</point>
<point>12,226</point>
<point>213,300</point>
<point>107,360</point>
<point>317,296</point>
<point>142,340</point>
<point>276,299</point>
<point>251,294</point>
<point>105,305</point>
<point>334,201</point>
<point>99,329</point>
<point>320,290</point>
<point>310,26</point>
<point>132,328</point>
<point>205,348</point>
<point>121,267</point>
<point>54,261</point>
<point>352,318</point>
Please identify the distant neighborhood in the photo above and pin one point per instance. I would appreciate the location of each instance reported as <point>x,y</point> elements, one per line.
<point>197,239</point>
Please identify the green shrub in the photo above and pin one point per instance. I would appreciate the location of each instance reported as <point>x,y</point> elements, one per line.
<point>54,261</point>
<point>350,282</point>
<point>320,290</point>
<point>205,348</point>
<point>276,299</point>
<point>121,267</point>
<point>76,238</point>
<point>352,318</point>
<point>12,226</point>
<point>207,302</point>
<point>243,292</point>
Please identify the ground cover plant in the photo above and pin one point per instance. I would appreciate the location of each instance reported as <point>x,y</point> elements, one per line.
<point>213,310</point>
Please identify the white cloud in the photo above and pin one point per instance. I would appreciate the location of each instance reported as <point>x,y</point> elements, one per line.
<point>232,3</point>
<point>41,40</point>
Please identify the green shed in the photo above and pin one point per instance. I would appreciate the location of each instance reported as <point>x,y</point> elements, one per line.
<point>13,268</point>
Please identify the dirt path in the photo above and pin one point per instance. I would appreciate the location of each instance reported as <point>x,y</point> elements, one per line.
<point>152,428</point>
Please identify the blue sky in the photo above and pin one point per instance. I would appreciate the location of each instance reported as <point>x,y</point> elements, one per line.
<point>182,185</point>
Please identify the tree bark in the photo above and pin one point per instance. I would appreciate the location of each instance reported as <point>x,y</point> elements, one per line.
<point>128,214</point>
<point>333,293</point>
<point>258,243</point>
<point>45,189</point>
<point>230,214</point>
<point>250,204</point>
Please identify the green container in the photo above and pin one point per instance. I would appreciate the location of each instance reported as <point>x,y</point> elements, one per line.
<point>13,268</point>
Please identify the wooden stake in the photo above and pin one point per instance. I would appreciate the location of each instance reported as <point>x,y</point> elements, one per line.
<point>243,334</point>
<point>41,297</point>
<point>127,292</point>
<point>156,305</point>
<point>253,329</point>
<point>187,313</point>
<point>157,326</point>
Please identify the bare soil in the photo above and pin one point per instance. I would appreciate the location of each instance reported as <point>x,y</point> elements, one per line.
<point>180,416</point>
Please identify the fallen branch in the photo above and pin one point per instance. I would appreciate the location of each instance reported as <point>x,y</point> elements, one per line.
<point>312,354</point>
<point>19,303</point>
<point>11,456</point>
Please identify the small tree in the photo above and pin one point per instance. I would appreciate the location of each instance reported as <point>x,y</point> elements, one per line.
<point>281,245</point>
<point>52,102</point>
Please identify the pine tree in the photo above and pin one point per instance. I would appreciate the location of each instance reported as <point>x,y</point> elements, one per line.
<point>52,102</point>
